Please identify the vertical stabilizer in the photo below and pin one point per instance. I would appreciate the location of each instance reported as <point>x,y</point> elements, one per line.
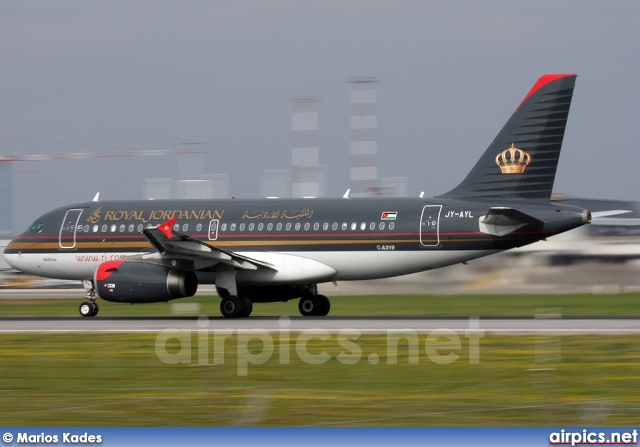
<point>521,161</point>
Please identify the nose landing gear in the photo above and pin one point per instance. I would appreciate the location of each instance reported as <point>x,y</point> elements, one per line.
<point>89,308</point>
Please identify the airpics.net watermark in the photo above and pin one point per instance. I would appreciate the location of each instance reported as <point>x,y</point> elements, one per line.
<point>257,346</point>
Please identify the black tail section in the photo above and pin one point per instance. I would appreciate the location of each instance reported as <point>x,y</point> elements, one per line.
<point>521,162</point>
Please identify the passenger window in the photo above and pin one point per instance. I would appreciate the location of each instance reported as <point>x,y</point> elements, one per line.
<point>288,226</point>
<point>122,228</point>
<point>113,228</point>
<point>363,226</point>
<point>344,226</point>
<point>185,227</point>
<point>241,227</point>
<point>270,227</point>
<point>131,228</point>
<point>251,227</point>
<point>260,226</point>
<point>307,226</point>
<point>95,228</point>
<point>104,228</point>
<point>381,225</point>
<point>176,227</point>
<point>298,226</point>
<point>279,226</point>
<point>140,227</point>
<point>354,226</point>
<point>372,226</point>
<point>232,227</point>
<point>392,225</point>
<point>199,227</point>
<point>325,226</point>
<point>86,228</point>
<point>334,227</point>
<point>316,226</point>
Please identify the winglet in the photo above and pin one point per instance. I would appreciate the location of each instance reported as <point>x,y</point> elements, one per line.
<point>167,226</point>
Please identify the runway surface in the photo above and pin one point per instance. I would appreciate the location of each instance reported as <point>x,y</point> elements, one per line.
<point>504,326</point>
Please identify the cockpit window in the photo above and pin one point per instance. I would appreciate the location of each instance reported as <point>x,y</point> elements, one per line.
<point>36,228</point>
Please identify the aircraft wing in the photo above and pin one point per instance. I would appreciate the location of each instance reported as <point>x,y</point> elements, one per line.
<point>170,242</point>
<point>500,221</point>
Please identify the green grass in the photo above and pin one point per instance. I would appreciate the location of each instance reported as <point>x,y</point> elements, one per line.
<point>577,305</point>
<point>118,379</point>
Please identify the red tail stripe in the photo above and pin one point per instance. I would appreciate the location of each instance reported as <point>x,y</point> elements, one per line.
<point>544,80</point>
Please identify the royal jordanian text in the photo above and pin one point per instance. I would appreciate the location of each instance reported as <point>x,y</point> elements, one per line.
<point>148,216</point>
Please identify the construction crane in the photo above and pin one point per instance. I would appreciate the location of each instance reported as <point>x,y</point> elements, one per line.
<point>102,152</point>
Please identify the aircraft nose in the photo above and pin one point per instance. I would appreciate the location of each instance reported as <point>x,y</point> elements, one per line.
<point>12,255</point>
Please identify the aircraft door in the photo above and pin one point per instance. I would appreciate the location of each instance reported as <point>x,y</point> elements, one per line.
<point>213,229</point>
<point>68,229</point>
<point>430,225</point>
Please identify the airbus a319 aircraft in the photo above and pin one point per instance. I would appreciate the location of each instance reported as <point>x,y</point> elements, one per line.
<point>270,250</point>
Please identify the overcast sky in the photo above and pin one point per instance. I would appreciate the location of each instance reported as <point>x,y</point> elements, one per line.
<point>80,76</point>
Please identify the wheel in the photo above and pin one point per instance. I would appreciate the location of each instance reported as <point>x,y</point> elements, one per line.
<point>232,307</point>
<point>86,309</point>
<point>324,305</point>
<point>314,305</point>
<point>95,309</point>
<point>306,306</point>
<point>248,305</point>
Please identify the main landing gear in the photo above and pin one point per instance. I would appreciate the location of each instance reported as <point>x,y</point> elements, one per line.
<point>238,301</point>
<point>314,305</point>
<point>236,306</point>
<point>89,308</point>
<point>241,306</point>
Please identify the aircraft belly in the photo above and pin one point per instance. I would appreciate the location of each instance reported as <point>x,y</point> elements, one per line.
<point>359,265</point>
<point>287,269</point>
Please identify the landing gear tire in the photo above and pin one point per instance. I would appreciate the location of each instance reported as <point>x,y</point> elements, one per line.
<point>248,305</point>
<point>314,305</point>
<point>88,309</point>
<point>233,307</point>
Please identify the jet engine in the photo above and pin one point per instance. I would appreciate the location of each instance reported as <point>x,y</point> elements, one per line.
<point>143,282</point>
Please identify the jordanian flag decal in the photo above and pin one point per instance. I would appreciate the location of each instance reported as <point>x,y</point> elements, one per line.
<point>389,215</point>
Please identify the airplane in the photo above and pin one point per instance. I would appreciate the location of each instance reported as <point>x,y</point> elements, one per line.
<point>268,250</point>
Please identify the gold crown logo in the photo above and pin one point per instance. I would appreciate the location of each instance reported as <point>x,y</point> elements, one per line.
<point>513,160</point>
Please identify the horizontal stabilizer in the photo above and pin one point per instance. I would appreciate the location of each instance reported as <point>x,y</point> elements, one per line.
<point>604,218</point>
<point>500,221</point>
<point>601,214</point>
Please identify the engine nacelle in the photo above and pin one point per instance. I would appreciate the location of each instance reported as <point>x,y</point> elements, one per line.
<point>142,282</point>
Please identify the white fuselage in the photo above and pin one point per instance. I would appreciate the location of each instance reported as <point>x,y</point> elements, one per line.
<point>320,266</point>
